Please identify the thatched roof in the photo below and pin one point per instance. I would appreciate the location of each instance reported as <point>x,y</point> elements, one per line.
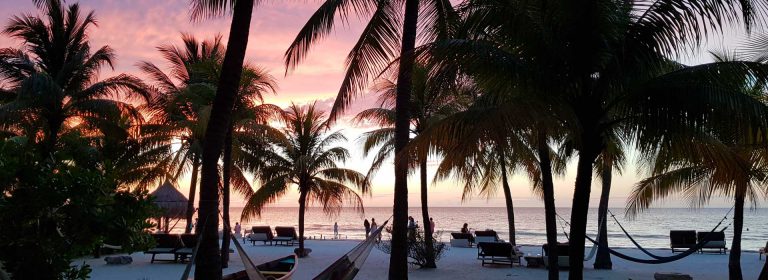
<point>173,203</point>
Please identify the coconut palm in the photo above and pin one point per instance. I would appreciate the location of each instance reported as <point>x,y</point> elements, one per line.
<point>704,168</point>
<point>379,44</point>
<point>208,265</point>
<point>305,158</point>
<point>53,77</point>
<point>611,71</point>
<point>248,126</point>
<point>432,99</point>
<point>182,102</point>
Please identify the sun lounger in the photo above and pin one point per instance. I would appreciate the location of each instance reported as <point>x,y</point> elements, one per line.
<point>498,253</point>
<point>167,244</point>
<point>461,239</point>
<point>682,239</point>
<point>263,234</point>
<point>189,242</point>
<point>285,236</point>
<point>715,241</point>
<point>486,236</point>
<point>562,255</point>
<point>763,251</point>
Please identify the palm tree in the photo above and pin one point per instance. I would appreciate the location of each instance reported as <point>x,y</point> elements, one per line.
<point>53,77</point>
<point>249,123</point>
<point>377,46</point>
<point>208,265</point>
<point>611,71</point>
<point>482,150</point>
<point>709,166</point>
<point>306,159</point>
<point>611,159</point>
<point>182,102</point>
<point>433,98</point>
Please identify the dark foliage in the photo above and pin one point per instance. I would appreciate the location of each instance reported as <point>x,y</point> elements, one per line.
<point>417,246</point>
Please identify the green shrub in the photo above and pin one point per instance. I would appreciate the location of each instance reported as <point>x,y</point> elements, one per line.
<point>416,247</point>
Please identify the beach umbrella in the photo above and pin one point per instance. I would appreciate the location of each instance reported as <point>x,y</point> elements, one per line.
<point>173,204</point>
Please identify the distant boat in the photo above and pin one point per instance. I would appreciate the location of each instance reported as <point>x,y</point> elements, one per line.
<point>279,269</point>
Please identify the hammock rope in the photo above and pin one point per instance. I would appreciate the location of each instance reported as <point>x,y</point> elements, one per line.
<point>347,266</point>
<point>593,251</point>
<point>648,252</point>
<point>656,259</point>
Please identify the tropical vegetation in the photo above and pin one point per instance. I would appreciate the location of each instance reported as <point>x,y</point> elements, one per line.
<point>488,88</point>
<point>305,157</point>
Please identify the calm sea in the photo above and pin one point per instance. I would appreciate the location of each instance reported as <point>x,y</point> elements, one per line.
<point>650,228</point>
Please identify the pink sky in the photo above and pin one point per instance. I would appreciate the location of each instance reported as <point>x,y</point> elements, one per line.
<point>135,28</point>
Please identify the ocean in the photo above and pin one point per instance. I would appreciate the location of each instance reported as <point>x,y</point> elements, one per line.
<point>650,228</point>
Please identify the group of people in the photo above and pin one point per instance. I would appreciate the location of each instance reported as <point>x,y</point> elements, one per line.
<point>370,227</point>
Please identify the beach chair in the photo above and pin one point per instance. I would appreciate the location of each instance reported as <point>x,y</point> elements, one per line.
<point>166,244</point>
<point>461,239</point>
<point>714,241</point>
<point>682,239</point>
<point>562,255</point>
<point>189,242</point>
<point>498,253</point>
<point>263,234</point>
<point>285,236</point>
<point>763,251</point>
<point>486,236</point>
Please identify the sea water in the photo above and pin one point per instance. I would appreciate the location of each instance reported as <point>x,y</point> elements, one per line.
<point>649,228</point>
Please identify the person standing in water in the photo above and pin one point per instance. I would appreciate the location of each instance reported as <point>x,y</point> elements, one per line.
<point>367,228</point>
<point>335,230</point>
<point>431,225</point>
<point>374,226</point>
<point>238,230</point>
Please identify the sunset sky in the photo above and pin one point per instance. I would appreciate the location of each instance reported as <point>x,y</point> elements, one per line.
<point>135,28</point>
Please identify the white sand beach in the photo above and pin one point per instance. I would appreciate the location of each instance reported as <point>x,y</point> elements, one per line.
<point>458,263</point>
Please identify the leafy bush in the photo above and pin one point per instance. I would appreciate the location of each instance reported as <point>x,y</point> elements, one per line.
<point>53,213</point>
<point>416,246</point>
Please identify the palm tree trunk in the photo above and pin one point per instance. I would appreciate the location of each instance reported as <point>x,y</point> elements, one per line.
<point>428,241</point>
<point>227,232</point>
<point>580,208</point>
<point>603,257</point>
<point>547,184</point>
<point>208,265</point>
<point>192,192</point>
<point>302,208</point>
<point>54,126</point>
<point>398,259</point>
<point>734,260</point>
<point>507,196</point>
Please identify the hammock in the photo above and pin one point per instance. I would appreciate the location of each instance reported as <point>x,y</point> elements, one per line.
<point>648,252</point>
<point>593,251</point>
<point>346,267</point>
<point>657,259</point>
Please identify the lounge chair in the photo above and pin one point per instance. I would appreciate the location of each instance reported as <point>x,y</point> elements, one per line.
<point>682,239</point>
<point>562,255</point>
<point>763,251</point>
<point>286,236</point>
<point>714,241</point>
<point>498,253</point>
<point>166,244</point>
<point>486,236</point>
<point>189,242</point>
<point>461,239</point>
<point>263,234</point>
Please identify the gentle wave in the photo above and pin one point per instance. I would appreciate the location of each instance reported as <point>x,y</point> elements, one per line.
<point>650,228</point>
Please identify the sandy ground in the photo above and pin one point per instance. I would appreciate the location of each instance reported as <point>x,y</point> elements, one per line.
<point>458,263</point>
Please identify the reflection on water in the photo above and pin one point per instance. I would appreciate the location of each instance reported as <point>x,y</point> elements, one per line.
<point>650,228</point>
